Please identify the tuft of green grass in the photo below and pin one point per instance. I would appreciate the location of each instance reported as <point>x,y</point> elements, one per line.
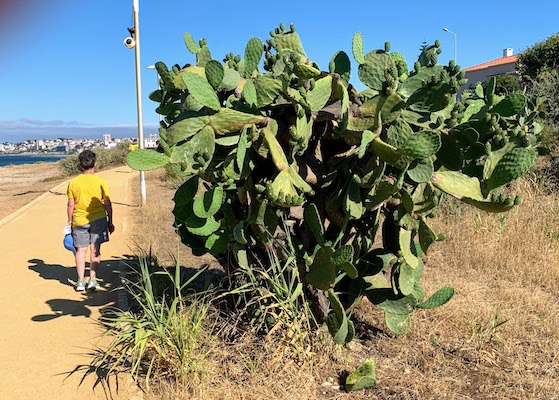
<point>168,335</point>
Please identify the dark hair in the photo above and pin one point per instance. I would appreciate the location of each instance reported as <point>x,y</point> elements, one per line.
<point>87,159</point>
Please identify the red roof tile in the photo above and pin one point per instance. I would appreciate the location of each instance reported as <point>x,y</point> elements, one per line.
<point>498,61</point>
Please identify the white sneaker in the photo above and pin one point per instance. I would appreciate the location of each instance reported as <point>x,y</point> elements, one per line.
<point>92,285</point>
<point>80,286</point>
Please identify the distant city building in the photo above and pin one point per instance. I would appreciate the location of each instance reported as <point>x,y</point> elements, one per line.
<point>150,142</point>
<point>40,145</point>
<point>64,145</point>
<point>61,147</point>
<point>107,139</point>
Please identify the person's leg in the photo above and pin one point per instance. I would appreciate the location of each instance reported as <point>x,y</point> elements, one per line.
<point>80,235</point>
<point>98,234</point>
<point>94,260</point>
<point>80,262</point>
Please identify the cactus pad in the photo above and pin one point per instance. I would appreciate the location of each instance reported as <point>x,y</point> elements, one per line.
<point>511,166</point>
<point>510,105</point>
<point>357,48</point>
<point>214,73</point>
<point>363,377</point>
<point>146,160</point>
<point>319,96</point>
<point>400,324</point>
<point>201,90</point>
<point>191,45</point>
<point>440,297</point>
<point>253,54</point>
<point>421,145</point>
<point>208,203</point>
<point>340,64</point>
<point>322,272</point>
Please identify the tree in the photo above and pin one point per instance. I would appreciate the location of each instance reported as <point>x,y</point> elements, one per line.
<point>543,57</point>
<point>505,84</point>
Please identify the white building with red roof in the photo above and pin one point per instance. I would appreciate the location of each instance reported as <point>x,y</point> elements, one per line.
<point>501,66</point>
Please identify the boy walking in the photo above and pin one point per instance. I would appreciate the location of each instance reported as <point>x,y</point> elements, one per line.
<point>90,214</point>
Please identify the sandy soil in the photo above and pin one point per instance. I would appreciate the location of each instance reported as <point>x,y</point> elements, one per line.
<point>50,331</point>
<point>20,184</point>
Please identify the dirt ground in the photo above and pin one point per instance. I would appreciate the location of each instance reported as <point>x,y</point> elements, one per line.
<point>20,184</point>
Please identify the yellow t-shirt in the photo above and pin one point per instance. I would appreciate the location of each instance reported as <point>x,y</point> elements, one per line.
<point>89,192</point>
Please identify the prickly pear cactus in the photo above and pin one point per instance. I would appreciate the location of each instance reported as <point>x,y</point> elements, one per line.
<point>280,155</point>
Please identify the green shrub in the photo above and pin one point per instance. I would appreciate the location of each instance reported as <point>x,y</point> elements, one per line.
<point>106,158</point>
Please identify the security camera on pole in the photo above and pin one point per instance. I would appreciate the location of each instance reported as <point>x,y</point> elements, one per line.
<point>133,42</point>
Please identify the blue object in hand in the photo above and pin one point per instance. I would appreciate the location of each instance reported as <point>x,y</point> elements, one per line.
<point>69,243</point>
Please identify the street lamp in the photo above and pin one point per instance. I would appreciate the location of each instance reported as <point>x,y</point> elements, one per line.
<point>134,42</point>
<point>449,31</point>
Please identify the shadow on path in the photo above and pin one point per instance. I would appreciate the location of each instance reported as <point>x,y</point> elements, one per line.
<point>105,298</point>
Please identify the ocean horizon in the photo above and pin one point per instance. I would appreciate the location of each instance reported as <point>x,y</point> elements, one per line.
<point>19,159</point>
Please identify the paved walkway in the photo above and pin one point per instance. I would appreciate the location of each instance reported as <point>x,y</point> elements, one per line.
<point>48,329</point>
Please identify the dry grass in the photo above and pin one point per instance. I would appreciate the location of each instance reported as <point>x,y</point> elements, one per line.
<point>152,225</point>
<point>504,269</point>
<point>21,184</point>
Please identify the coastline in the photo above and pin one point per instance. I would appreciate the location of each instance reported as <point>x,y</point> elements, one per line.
<point>11,160</point>
<point>36,154</point>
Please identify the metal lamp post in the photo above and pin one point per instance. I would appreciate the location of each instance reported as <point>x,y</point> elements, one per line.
<point>135,32</point>
<point>449,31</point>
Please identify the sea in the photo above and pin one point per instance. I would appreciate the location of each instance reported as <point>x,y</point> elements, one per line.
<point>17,159</point>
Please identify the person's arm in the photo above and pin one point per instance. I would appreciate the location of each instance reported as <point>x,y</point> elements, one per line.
<point>70,209</point>
<point>109,209</point>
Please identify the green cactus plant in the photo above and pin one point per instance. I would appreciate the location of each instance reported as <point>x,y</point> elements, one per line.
<point>294,157</point>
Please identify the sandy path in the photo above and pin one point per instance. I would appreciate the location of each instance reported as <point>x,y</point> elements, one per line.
<point>47,328</point>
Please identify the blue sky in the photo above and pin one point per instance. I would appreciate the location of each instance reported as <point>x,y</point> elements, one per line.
<point>66,73</point>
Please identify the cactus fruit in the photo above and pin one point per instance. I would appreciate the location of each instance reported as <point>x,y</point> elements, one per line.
<point>289,156</point>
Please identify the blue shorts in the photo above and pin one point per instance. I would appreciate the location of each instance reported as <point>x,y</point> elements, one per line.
<point>96,232</point>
